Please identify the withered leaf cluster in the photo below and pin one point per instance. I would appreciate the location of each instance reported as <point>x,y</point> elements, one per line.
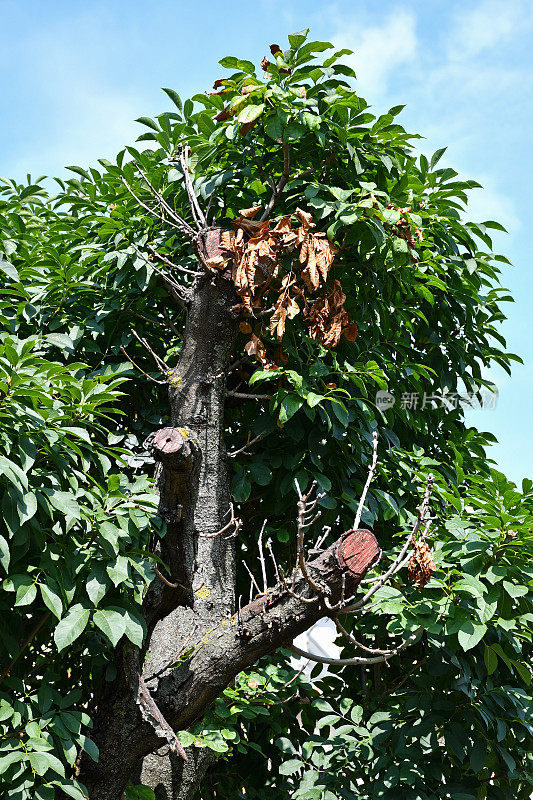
<point>292,260</point>
<point>421,565</point>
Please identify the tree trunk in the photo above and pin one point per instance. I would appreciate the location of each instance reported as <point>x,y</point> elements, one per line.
<point>196,612</point>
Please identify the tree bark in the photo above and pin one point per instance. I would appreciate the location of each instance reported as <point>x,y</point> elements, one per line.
<point>232,644</point>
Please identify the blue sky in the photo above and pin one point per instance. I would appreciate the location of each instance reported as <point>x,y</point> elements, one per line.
<point>75,75</point>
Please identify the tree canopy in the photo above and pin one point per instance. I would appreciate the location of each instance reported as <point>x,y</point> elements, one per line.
<point>350,269</point>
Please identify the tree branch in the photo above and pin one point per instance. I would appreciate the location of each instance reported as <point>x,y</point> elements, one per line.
<point>277,190</point>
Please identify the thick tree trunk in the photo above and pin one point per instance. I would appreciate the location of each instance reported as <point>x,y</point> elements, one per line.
<point>197,614</point>
<point>231,645</point>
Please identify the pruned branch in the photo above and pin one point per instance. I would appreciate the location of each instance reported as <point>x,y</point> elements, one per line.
<point>151,713</point>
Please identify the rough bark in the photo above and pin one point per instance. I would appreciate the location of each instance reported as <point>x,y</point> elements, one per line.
<point>185,693</point>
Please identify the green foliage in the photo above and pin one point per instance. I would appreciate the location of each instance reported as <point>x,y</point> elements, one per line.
<point>453,712</point>
<point>449,717</point>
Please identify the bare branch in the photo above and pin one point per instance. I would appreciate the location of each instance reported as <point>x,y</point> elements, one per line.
<point>342,662</point>
<point>248,444</point>
<point>303,524</point>
<point>151,713</point>
<point>262,557</point>
<point>248,395</point>
<point>254,582</point>
<point>167,582</point>
<point>154,380</point>
<point>171,264</point>
<point>198,214</point>
<point>277,189</point>
<point>180,223</point>
<point>371,472</point>
<point>160,363</point>
<point>371,650</point>
<point>233,523</point>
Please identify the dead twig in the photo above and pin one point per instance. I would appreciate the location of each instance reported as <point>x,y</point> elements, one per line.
<point>150,378</point>
<point>278,188</point>
<point>248,444</point>
<point>371,472</point>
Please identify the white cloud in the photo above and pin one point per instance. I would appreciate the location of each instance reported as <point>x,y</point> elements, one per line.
<point>490,204</point>
<point>490,23</point>
<point>379,50</point>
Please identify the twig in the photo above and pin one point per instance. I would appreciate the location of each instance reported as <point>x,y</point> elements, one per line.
<point>167,582</point>
<point>403,680</point>
<point>304,506</point>
<point>269,548</point>
<point>182,291</point>
<point>160,363</point>
<point>143,205</point>
<point>262,557</point>
<point>180,223</point>
<point>254,582</point>
<point>154,380</point>
<point>198,214</point>
<point>422,512</point>
<point>357,659</point>
<point>24,645</point>
<point>281,184</point>
<point>237,523</point>
<point>171,264</point>
<point>248,444</point>
<point>371,471</point>
<point>152,714</point>
<point>371,650</point>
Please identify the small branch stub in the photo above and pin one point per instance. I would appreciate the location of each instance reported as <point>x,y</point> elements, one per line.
<point>172,448</point>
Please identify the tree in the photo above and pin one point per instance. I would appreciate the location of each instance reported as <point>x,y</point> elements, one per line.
<point>225,302</point>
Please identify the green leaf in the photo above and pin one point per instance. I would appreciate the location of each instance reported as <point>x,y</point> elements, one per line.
<point>297,39</point>
<point>65,502</point>
<point>273,127</point>
<point>290,767</point>
<point>470,634</point>
<point>241,486</point>
<point>260,472</point>
<point>437,155</point>
<point>51,599</point>
<point>112,623</point>
<point>149,122</point>
<point>97,583</point>
<point>9,269</point>
<point>135,627</point>
<point>4,553</point>
<point>174,96</point>
<point>230,62</point>
<point>119,571</point>
<point>491,659</point>
<point>71,626</point>
<point>513,590</point>
<point>39,762</point>
<point>250,113</point>
<point>289,406</point>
